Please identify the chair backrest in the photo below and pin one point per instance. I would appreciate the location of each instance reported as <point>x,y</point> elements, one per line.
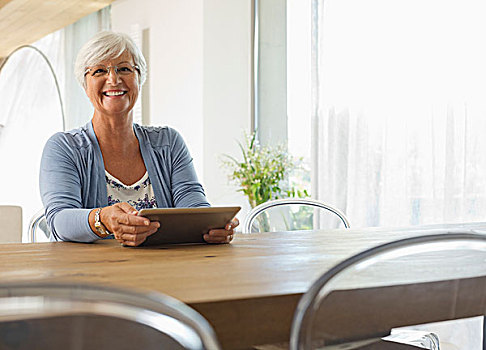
<point>10,224</point>
<point>407,282</point>
<point>291,214</point>
<point>38,223</point>
<point>80,316</point>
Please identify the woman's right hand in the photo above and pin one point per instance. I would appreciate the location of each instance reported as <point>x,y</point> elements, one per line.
<point>123,221</point>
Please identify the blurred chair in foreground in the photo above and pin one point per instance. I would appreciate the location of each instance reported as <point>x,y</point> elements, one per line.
<point>10,224</point>
<point>408,282</point>
<point>292,214</point>
<point>80,316</point>
<point>38,224</point>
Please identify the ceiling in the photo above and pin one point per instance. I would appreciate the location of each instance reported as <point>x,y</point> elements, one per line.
<point>26,21</point>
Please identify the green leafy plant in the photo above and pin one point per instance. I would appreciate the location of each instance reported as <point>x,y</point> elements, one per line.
<point>262,174</point>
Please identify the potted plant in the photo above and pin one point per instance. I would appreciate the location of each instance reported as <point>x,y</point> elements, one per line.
<point>263,173</point>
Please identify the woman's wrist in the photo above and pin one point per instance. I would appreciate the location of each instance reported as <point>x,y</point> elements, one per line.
<point>96,223</point>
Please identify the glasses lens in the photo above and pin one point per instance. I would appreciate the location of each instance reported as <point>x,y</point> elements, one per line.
<point>101,70</point>
<point>124,69</point>
<point>98,71</point>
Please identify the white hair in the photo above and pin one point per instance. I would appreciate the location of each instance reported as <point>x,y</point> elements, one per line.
<point>104,46</point>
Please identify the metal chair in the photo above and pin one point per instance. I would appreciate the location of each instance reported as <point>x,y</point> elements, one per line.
<point>425,279</point>
<point>38,223</point>
<point>311,212</point>
<point>10,224</point>
<point>80,316</point>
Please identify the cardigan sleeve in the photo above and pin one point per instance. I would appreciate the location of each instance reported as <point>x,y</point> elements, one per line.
<point>60,187</point>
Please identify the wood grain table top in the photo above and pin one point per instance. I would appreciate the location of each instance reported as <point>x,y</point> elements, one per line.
<point>256,280</point>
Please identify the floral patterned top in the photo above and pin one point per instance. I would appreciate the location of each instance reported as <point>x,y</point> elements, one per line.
<point>140,195</point>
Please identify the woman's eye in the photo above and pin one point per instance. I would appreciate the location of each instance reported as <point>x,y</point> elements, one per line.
<point>125,69</point>
<point>99,71</point>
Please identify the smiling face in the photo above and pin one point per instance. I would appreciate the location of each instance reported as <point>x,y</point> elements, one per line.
<point>113,94</point>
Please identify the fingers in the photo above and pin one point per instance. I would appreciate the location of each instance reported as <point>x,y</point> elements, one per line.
<point>153,226</point>
<point>121,214</point>
<point>135,235</point>
<point>134,239</point>
<point>128,228</point>
<point>219,236</point>
<point>222,235</point>
<point>127,208</point>
<point>232,224</point>
<point>213,239</point>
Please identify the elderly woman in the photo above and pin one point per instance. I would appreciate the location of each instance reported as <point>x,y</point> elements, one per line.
<point>93,180</point>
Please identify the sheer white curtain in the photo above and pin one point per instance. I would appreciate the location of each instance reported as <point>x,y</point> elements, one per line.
<point>400,110</point>
<point>30,110</point>
<point>78,108</point>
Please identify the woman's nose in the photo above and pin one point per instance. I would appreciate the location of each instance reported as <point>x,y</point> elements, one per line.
<point>113,76</point>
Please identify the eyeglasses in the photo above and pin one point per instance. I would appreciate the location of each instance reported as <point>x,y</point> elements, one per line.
<point>101,70</point>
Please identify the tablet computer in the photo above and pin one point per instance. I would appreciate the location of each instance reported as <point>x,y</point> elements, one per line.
<point>186,225</point>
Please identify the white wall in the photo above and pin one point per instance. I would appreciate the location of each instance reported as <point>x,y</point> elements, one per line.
<point>226,91</point>
<point>175,58</point>
<point>199,70</point>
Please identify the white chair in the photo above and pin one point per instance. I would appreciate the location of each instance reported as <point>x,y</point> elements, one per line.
<point>310,214</point>
<point>428,278</point>
<point>80,316</point>
<point>10,224</point>
<point>38,224</point>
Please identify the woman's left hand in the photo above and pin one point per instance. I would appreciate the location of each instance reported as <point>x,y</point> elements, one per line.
<point>222,235</point>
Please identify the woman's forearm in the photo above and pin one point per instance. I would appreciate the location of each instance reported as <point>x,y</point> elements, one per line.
<point>73,225</point>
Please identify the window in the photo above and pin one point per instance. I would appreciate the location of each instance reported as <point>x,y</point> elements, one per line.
<point>393,129</point>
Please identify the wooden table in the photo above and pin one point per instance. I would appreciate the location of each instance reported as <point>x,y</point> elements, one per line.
<point>248,290</point>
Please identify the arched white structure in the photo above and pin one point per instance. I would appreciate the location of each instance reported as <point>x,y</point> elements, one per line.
<point>54,76</point>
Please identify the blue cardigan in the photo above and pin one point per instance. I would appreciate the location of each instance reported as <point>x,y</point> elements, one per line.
<point>72,177</point>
